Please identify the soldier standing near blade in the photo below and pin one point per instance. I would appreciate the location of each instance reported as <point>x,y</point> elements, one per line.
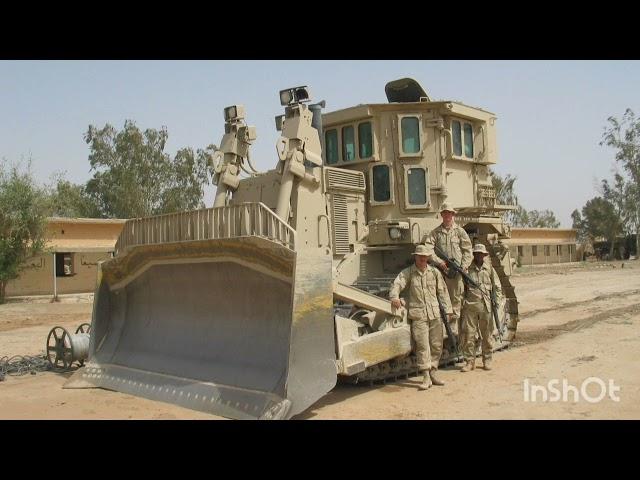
<point>455,243</point>
<point>477,308</point>
<point>425,284</point>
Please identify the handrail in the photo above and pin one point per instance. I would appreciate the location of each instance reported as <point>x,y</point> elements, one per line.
<point>232,221</point>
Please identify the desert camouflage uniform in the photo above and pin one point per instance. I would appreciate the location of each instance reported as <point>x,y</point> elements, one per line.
<point>477,315</point>
<point>423,311</point>
<point>456,244</point>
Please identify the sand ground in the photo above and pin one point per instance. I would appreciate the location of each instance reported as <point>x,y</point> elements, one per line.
<point>577,322</point>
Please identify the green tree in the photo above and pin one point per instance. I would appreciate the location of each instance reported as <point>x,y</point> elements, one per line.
<point>67,199</point>
<point>23,216</point>
<point>520,217</point>
<point>543,219</point>
<point>505,194</point>
<point>534,218</point>
<point>599,219</point>
<point>135,177</point>
<point>624,136</point>
<point>578,224</point>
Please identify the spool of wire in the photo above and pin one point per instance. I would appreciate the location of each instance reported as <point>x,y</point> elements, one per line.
<point>63,348</point>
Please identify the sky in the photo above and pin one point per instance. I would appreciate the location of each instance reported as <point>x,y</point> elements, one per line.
<point>551,114</point>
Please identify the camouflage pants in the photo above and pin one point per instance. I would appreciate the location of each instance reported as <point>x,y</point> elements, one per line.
<point>455,286</point>
<point>477,322</point>
<point>427,335</point>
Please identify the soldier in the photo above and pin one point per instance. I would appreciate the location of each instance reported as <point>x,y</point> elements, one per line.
<point>425,284</point>
<point>477,316</point>
<point>454,241</point>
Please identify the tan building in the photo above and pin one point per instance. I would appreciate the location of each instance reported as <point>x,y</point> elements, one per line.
<point>69,262</point>
<point>535,246</point>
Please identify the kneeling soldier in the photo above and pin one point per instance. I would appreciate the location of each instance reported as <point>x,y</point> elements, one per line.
<point>477,308</point>
<point>425,284</point>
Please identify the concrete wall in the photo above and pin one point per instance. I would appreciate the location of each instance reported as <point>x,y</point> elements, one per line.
<point>37,277</point>
<point>87,240</point>
<point>544,255</point>
<point>545,243</point>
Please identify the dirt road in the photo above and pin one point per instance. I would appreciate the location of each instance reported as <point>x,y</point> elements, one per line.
<point>577,323</point>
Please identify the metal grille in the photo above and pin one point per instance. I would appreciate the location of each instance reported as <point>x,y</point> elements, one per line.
<point>486,196</point>
<point>245,219</point>
<point>339,178</point>
<point>340,224</point>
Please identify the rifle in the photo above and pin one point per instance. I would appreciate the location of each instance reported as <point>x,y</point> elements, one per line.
<point>455,267</point>
<point>447,327</point>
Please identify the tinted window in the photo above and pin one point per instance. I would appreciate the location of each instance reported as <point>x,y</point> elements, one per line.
<point>410,127</point>
<point>348,144</point>
<point>457,138</point>
<point>365,140</point>
<point>381,184</point>
<point>468,140</point>
<point>416,184</point>
<point>331,146</point>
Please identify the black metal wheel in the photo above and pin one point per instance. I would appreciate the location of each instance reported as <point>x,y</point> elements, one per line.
<point>59,348</point>
<point>84,328</point>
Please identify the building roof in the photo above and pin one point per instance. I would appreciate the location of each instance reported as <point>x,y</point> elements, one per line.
<point>537,229</point>
<point>86,235</point>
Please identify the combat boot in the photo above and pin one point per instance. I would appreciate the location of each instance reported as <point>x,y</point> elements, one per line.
<point>435,380</point>
<point>486,363</point>
<point>470,365</point>
<point>426,382</point>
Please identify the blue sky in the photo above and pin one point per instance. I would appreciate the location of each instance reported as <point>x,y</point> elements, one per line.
<point>551,114</point>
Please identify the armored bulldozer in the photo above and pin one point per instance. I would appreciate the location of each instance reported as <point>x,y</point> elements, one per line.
<point>254,308</point>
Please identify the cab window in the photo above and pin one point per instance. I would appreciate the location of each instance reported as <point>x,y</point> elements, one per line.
<point>468,140</point>
<point>331,146</point>
<point>381,183</point>
<point>348,144</point>
<point>365,140</point>
<point>456,133</point>
<point>410,127</point>
<point>417,186</point>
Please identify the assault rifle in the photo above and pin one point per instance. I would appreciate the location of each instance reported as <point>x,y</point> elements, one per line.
<point>453,268</point>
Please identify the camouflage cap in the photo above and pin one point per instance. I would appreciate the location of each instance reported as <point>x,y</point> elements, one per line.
<point>426,250</point>
<point>480,248</point>
<point>448,208</point>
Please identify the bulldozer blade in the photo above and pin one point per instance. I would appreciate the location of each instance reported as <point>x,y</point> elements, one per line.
<point>235,327</point>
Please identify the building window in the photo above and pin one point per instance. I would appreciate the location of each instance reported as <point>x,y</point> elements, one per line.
<point>348,144</point>
<point>534,251</point>
<point>365,140</point>
<point>559,250</point>
<point>468,140</point>
<point>331,146</point>
<point>64,264</point>
<point>381,183</point>
<point>547,251</point>
<point>417,186</point>
<point>410,127</point>
<point>520,251</point>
